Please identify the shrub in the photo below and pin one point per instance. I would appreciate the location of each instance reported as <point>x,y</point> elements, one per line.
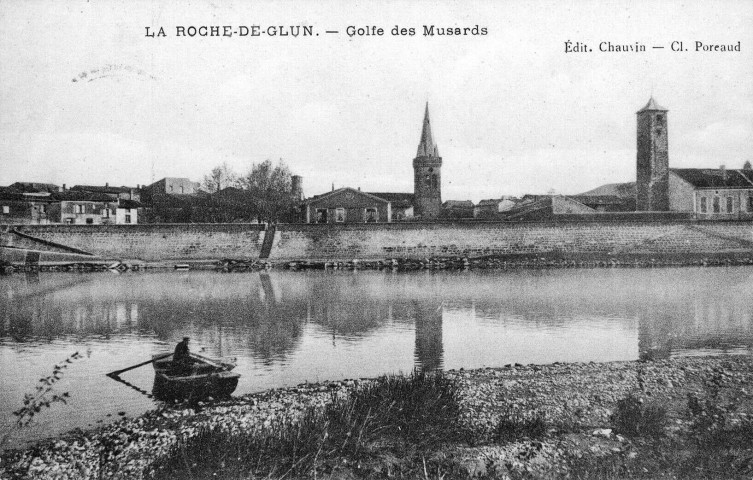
<point>633,418</point>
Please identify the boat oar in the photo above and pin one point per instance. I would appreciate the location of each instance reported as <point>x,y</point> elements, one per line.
<point>118,372</point>
<point>210,361</point>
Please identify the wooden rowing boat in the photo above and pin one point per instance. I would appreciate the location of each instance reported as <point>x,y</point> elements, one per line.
<point>197,379</point>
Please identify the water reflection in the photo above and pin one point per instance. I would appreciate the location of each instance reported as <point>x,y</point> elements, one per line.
<point>267,315</point>
<point>286,328</point>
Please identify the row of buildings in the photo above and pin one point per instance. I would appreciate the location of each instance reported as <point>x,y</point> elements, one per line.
<point>29,202</point>
<point>703,193</point>
<point>169,200</point>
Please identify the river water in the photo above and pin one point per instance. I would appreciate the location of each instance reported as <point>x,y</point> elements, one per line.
<point>286,328</point>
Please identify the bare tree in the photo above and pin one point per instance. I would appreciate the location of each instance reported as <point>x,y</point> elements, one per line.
<point>221,177</point>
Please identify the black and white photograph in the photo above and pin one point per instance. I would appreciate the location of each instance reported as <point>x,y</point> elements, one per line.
<point>376,240</point>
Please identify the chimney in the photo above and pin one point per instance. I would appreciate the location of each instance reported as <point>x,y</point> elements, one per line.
<point>296,187</point>
<point>107,185</point>
<point>723,171</point>
<point>64,189</point>
<point>333,186</point>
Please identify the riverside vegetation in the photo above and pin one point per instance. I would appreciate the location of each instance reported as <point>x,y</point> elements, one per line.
<point>679,418</point>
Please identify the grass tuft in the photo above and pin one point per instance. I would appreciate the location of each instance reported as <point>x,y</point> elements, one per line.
<point>418,411</point>
<point>513,427</point>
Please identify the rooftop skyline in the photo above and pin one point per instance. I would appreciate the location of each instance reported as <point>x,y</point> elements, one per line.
<point>512,112</point>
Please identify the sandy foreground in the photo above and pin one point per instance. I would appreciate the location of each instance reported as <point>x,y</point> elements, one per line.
<point>576,400</point>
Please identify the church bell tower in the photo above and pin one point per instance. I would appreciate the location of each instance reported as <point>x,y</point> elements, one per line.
<point>427,180</point>
<point>652,186</point>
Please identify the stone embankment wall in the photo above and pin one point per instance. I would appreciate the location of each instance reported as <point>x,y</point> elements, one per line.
<point>153,243</point>
<point>150,243</point>
<point>417,240</point>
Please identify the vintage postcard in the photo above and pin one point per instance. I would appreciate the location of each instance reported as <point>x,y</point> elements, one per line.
<point>331,239</point>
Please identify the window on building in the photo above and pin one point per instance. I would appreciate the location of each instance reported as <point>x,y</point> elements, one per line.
<point>729,204</point>
<point>340,215</point>
<point>434,181</point>
<point>89,221</point>
<point>716,205</point>
<point>370,215</point>
<point>127,219</point>
<point>321,215</point>
<point>6,209</point>
<point>181,189</point>
<point>42,208</point>
<point>704,206</point>
<point>427,180</point>
<point>78,209</point>
<point>69,221</point>
<point>750,202</point>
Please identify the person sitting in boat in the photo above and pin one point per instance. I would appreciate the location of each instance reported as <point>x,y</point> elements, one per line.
<point>181,357</point>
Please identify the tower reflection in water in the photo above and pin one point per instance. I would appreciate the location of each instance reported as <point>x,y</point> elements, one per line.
<point>429,351</point>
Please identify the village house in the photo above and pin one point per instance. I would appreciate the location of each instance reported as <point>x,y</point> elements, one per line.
<point>346,205</point>
<point>401,204</point>
<point>127,212</point>
<point>24,208</point>
<point>169,186</point>
<point>546,207</point>
<point>490,208</point>
<point>457,209</point>
<point>83,208</point>
<point>712,194</point>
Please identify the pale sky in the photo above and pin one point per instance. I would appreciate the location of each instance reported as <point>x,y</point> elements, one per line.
<point>511,112</point>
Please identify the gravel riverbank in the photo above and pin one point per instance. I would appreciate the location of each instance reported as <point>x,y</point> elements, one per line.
<point>576,401</point>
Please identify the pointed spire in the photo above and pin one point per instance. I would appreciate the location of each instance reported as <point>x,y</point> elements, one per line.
<point>426,146</point>
<point>652,105</point>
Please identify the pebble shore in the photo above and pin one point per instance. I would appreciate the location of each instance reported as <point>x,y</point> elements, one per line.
<point>576,399</point>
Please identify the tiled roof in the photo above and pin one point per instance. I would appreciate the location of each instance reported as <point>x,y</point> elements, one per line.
<point>102,189</point>
<point>715,177</point>
<point>458,204</point>
<point>34,187</point>
<point>652,106</point>
<point>11,195</point>
<point>598,199</point>
<point>340,190</point>
<point>400,200</point>
<point>493,202</point>
<point>624,190</point>
<point>79,196</point>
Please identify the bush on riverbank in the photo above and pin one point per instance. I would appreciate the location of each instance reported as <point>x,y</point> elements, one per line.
<point>383,420</point>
